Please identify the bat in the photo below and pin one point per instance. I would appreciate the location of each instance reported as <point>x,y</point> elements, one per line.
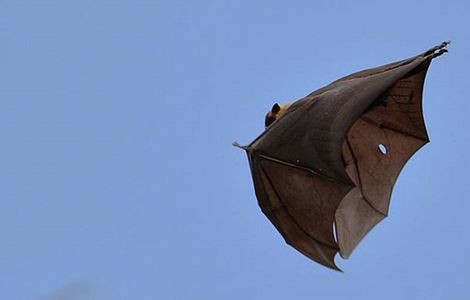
<point>327,163</point>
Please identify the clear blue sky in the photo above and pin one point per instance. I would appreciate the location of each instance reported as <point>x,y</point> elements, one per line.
<point>118,179</point>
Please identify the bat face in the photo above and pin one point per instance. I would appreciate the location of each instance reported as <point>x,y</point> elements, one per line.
<point>275,113</point>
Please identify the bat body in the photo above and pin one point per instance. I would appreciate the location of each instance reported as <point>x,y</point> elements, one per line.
<point>329,160</point>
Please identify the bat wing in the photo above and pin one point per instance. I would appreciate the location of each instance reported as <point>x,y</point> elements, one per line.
<point>285,194</point>
<point>335,155</point>
<point>374,152</point>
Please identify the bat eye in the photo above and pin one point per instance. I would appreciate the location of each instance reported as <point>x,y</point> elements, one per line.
<point>383,149</point>
<point>276,108</point>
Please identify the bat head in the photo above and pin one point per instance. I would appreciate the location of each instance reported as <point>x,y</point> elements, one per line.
<point>275,113</point>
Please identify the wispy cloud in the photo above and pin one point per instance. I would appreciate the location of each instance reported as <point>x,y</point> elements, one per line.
<point>74,291</point>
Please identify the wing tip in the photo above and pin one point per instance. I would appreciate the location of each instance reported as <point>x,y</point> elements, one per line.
<point>333,267</point>
<point>323,259</point>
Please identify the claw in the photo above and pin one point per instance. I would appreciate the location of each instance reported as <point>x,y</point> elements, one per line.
<point>445,43</point>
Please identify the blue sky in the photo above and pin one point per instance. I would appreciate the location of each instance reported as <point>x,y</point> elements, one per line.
<point>118,179</point>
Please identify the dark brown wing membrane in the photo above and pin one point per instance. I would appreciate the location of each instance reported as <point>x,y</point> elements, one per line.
<point>301,205</point>
<point>311,134</point>
<point>376,149</point>
<point>336,154</point>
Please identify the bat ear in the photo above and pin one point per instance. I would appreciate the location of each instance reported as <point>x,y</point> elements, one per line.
<point>276,108</point>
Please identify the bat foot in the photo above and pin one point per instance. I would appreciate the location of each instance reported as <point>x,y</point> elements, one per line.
<point>438,50</point>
